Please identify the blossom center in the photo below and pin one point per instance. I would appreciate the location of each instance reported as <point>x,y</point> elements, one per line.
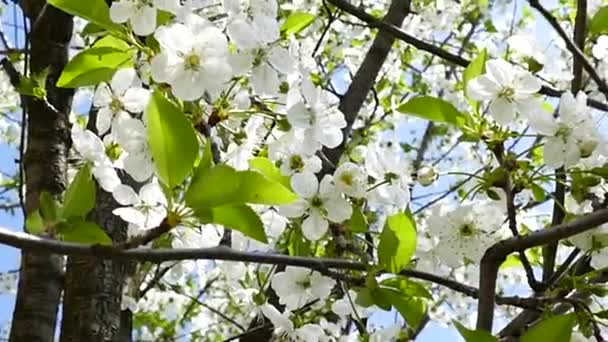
<point>316,202</point>
<point>390,177</point>
<point>296,163</point>
<point>304,283</point>
<point>466,230</point>
<point>192,61</point>
<point>347,179</point>
<point>507,93</point>
<point>564,131</point>
<point>142,3</point>
<point>115,105</point>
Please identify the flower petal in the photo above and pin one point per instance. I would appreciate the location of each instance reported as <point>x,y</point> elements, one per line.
<point>314,226</point>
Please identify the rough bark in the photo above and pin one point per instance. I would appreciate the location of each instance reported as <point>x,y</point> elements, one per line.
<point>93,287</point>
<point>48,142</point>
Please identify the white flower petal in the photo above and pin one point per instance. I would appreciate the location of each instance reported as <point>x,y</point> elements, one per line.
<point>314,226</point>
<point>125,195</point>
<point>121,11</point>
<point>305,184</point>
<point>135,100</point>
<point>502,111</point>
<point>144,21</point>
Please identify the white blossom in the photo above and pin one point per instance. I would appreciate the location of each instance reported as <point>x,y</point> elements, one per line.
<point>193,58</point>
<point>140,13</point>
<point>319,201</point>
<point>322,123</point>
<point>122,96</point>
<point>297,286</point>
<point>508,88</point>
<point>571,136</point>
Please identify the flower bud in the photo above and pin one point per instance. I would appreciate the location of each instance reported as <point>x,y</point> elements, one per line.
<point>426,175</point>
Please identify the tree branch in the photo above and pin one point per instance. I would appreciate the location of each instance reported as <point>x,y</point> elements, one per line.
<point>496,254</point>
<point>364,79</point>
<point>572,47</point>
<point>430,48</point>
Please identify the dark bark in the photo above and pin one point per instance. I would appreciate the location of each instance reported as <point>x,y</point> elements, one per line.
<point>93,287</point>
<point>48,142</point>
<point>365,78</point>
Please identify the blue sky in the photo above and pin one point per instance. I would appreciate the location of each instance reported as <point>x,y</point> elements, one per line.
<point>9,257</point>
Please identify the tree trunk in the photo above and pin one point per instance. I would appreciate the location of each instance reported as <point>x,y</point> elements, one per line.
<point>93,287</point>
<point>48,143</point>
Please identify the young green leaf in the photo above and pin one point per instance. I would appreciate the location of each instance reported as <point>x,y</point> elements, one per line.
<point>49,209</point>
<point>34,223</point>
<point>78,230</point>
<point>397,242</point>
<point>358,221</point>
<point>599,22</point>
<point>255,188</point>
<point>411,309</point>
<point>297,244</point>
<point>212,187</point>
<point>434,109</point>
<point>538,192</point>
<point>235,216</point>
<point>79,198</point>
<point>407,287</point>
<point>552,329</point>
<point>297,22</point>
<point>266,167</point>
<point>474,69</point>
<point>172,140</point>
<point>97,63</point>
<point>94,11</point>
<point>475,335</point>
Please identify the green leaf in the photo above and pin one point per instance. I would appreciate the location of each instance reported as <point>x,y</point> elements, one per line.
<point>34,223</point>
<point>266,167</point>
<point>49,209</point>
<point>256,188</point>
<point>381,299</point>
<point>296,22</point>
<point>475,335</point>
<point>599,22</point>
<point>172,140</point>
<point>358,221</point>
<point>397,242</point>
<point>78,230</point>
<point>434,109</point>
<point>297,244</point>
<point>364,298</point>
<point>511,261</point>
<point>411,309</point>
<point>474,69</point>
<point>97,63</point>
<point>79,198</point>
<point>212,187</point>
<point>94,11</point>
<point>552,329</point>
<point>407,287</point>
<point>235,216</point>
<point>221,185</point>
<point>207,159</point>
<point>538,192</point>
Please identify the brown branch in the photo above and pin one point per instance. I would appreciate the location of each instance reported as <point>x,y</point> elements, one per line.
<point>572,47</point>
<point>149,236</point>
<point>495,255</point>
<point>364,79</point>
<point>430,48</point>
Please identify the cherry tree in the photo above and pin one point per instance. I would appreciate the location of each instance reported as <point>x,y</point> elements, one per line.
<point>261,170</point>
